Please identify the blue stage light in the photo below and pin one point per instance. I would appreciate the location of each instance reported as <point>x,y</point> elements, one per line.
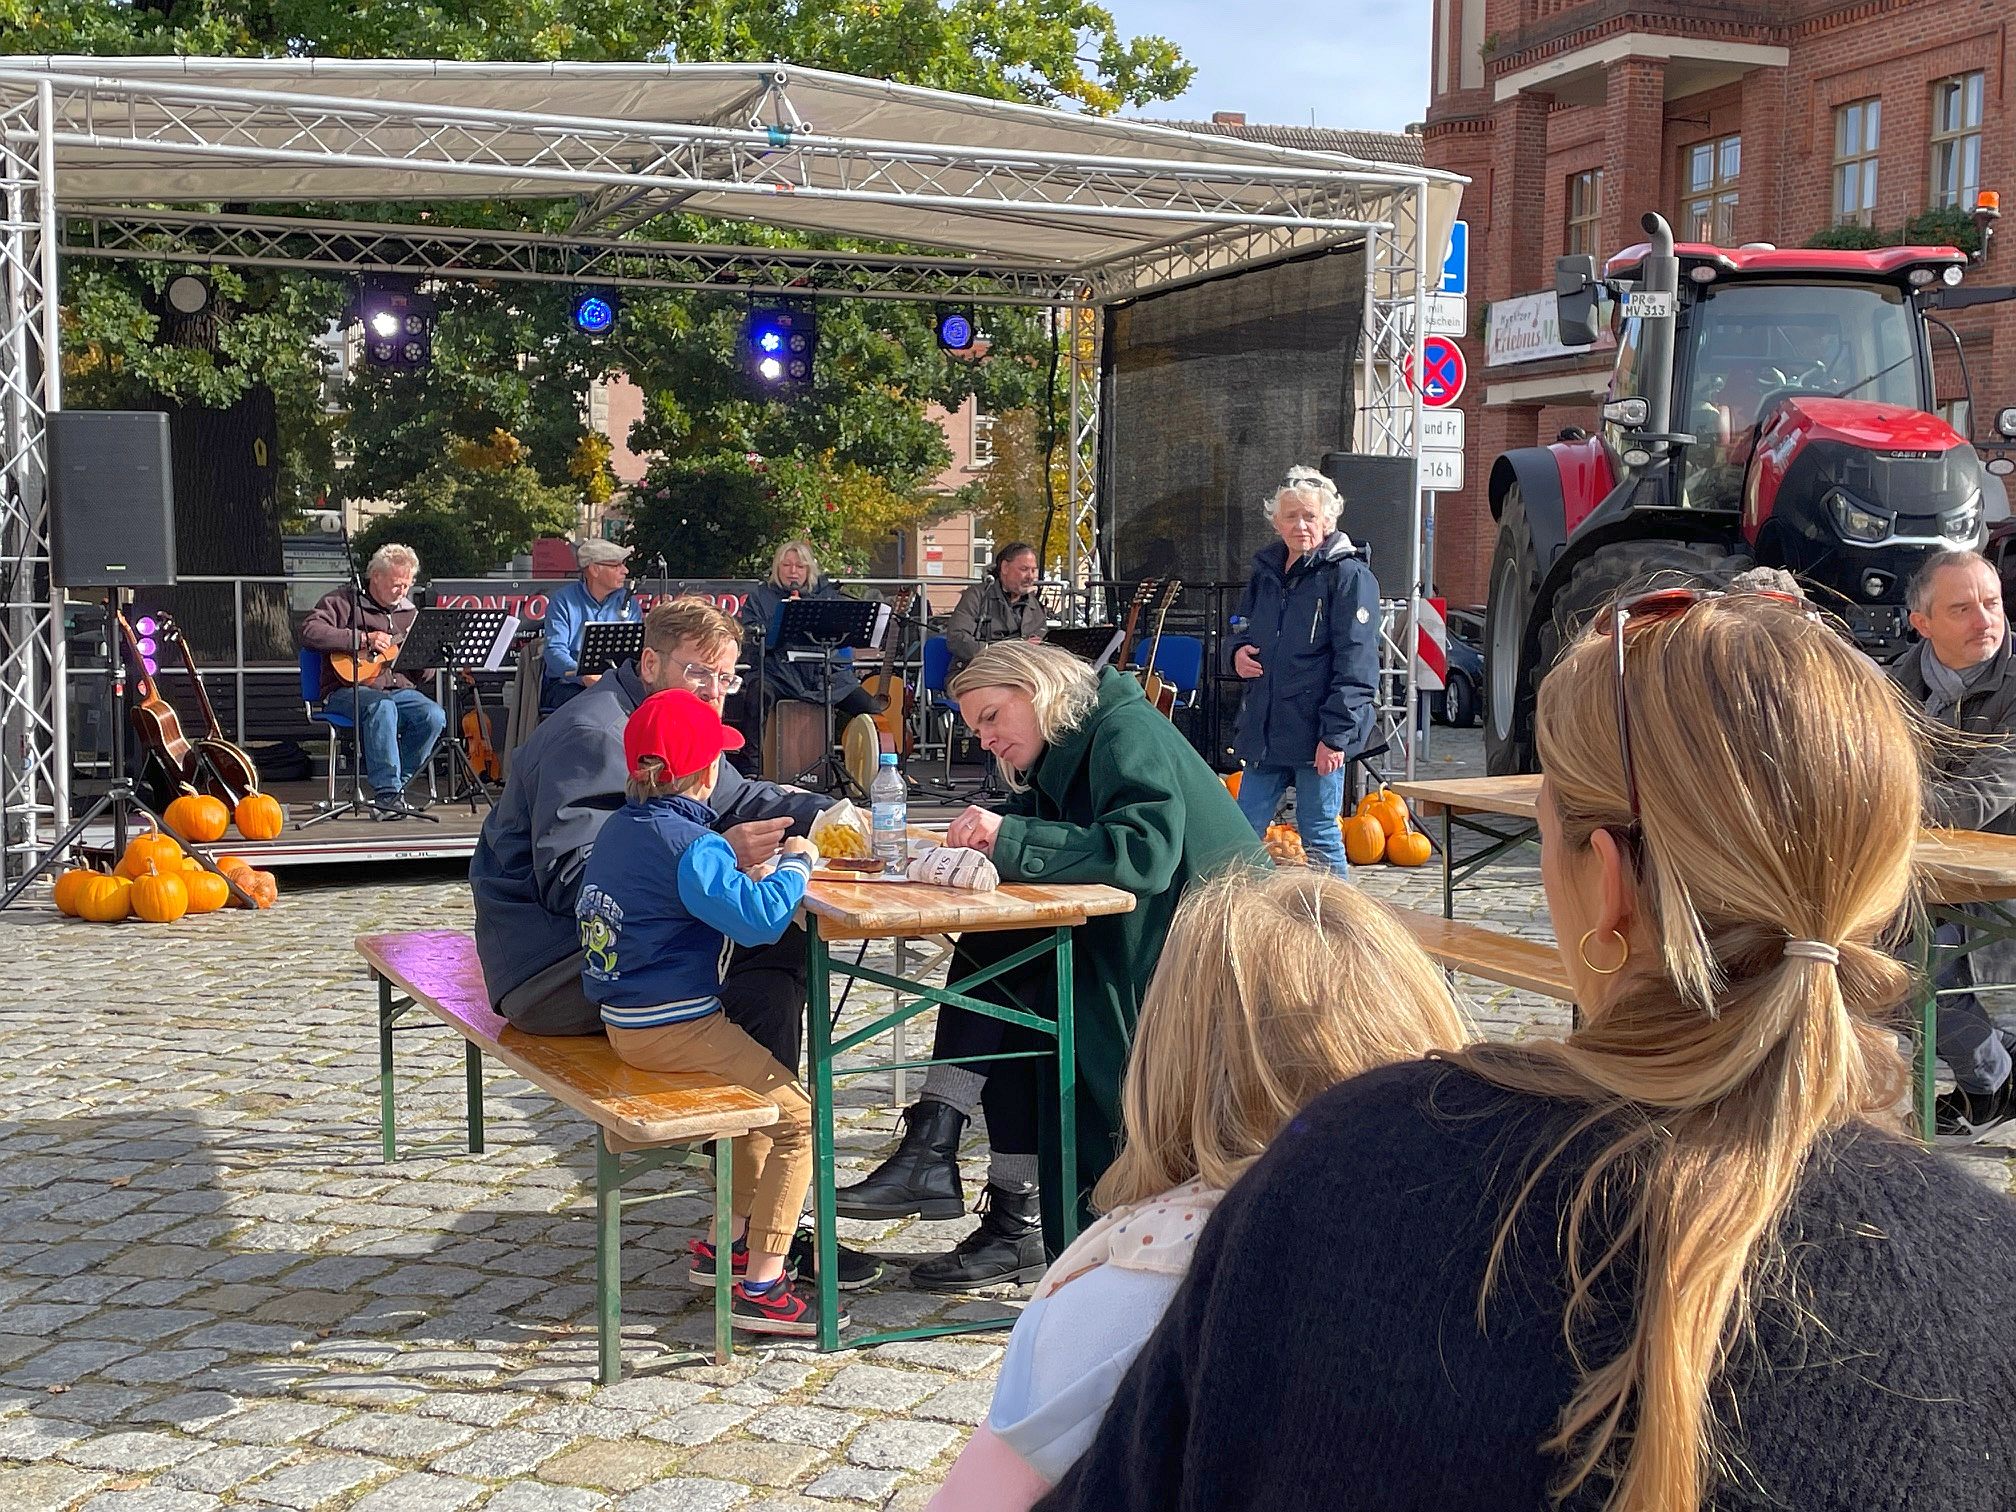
<point>594,314</point>
<point>955,329</point>
<point>779,345</point>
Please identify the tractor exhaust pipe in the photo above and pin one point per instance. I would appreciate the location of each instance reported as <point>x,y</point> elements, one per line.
<point>1659,274</point>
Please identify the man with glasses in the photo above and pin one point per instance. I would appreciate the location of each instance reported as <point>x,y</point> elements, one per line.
<point>565,782</point>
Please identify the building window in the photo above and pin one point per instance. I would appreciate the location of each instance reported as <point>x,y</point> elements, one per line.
<point>1711,172</point>
<point>1856,130</point>
<point>983,438</point>
<point>1585,211</point>
<point>1956,141</point>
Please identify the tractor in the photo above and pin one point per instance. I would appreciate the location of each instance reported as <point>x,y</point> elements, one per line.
<point>1768,408</point>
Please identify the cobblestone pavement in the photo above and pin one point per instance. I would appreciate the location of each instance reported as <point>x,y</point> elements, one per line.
<point>212,1293</point>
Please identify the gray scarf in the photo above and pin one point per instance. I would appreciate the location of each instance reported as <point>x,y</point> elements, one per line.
<point>1944,687</point>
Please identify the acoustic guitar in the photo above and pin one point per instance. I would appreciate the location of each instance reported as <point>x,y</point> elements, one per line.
<point>894,721</point>
<point>361,671</point>
<point>156,722</point>
<point>220,768</point>
<point>1156,688</point>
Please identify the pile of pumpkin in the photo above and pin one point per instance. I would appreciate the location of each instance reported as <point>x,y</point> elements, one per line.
<point>1381,829</point>
<point>155,881</point>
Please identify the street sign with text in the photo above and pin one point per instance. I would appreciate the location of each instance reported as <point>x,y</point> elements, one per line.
<point>1456,262</point>
<point>1442,471</point>
<point>1442,430</point>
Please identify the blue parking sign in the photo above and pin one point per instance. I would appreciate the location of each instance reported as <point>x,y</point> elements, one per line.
<point>1456,266</point>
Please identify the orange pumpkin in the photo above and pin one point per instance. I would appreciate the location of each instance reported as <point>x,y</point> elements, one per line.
<point>259,816</point>
<point>145,851</point>
<point>1232,782</point>
<point>104,899</point>
<point>1408,848</point>
<point>198,817</point>
<point>226,863</point>
<point>1364,839</point>
<point>160,897</point>
<point>1388,807</point>
<point>260,886</point>
<point>208,892</point>
<point>67,887</point>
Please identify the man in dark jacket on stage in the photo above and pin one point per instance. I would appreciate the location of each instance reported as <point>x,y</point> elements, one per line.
<point>565,782</point>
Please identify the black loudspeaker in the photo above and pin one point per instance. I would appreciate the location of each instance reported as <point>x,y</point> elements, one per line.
<point>111,499</point>
<point>1378,512</point>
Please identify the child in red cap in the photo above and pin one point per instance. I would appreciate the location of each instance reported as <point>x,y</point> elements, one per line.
<point>661,900</point>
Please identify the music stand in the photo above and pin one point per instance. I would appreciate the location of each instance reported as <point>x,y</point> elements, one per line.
<point>828,626</point>
<point>451,640</point>
<point>1086,642</point>
<point>607,644</point>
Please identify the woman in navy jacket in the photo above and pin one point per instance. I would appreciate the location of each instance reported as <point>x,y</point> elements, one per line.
<point>1306,639</point>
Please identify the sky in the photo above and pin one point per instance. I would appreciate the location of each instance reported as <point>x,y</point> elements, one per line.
<point>1356,63</point>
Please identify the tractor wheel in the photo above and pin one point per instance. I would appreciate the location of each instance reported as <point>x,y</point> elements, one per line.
<point>1509,684</point>
<point>1630,567</point>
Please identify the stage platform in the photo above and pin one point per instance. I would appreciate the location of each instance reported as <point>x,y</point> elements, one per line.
<point>349,841</point>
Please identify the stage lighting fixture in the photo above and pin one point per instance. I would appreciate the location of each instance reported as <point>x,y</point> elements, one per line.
<point>187,294</point>
<point>398,328</point>
<point>780,345</point>
<point>955,328</point>
<point>595,312</point>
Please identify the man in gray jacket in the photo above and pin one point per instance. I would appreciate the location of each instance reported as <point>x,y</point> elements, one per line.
<point>565,783</point>
<point>1962,674</point>
<point>1002,606</point>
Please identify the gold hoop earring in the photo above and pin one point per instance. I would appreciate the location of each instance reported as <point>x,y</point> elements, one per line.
<point>1583,951</point>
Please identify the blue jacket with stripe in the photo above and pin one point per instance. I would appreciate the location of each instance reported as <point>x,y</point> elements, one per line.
<point>662,905</point>
<point>1316,628</point>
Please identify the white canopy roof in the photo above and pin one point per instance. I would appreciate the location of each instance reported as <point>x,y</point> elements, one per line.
<point>1129,204</point>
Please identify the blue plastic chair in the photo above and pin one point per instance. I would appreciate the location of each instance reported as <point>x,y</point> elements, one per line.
<point>1180,658</point>
<point>311,699</point>
<point>931,679</point>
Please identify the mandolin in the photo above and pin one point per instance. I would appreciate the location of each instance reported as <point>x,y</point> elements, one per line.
<point>156,722</point>
<point>362,671</point>
<point>220,768</point>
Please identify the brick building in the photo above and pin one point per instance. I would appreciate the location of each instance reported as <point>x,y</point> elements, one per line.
<point>1766,121</point>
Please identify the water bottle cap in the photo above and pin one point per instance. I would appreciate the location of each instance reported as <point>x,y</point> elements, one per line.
<point>888,758</point>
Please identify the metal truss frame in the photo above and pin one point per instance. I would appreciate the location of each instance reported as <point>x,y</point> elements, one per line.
<point>625,173</point>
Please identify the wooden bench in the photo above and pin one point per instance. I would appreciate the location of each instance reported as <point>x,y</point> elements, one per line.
<point>671,1117</point>
<point>1530,965</point>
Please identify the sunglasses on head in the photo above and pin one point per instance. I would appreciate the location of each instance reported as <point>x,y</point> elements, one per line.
<point>1649,609</point>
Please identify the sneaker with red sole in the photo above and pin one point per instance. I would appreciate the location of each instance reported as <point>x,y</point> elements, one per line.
<point>856,1269</point>
<point>780,1310</point>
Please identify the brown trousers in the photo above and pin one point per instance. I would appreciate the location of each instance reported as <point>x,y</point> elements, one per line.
<point>773,1165</point>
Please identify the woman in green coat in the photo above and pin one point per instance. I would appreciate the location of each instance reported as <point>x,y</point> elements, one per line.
<point>1103,790</point>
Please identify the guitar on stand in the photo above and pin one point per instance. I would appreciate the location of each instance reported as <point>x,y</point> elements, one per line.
<point>157,724</point>
<point>1156,688</point>
<point>221,769</point>
<point>867,736</point>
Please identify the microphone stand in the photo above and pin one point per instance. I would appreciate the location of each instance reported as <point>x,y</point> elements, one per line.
<point>358,804</point>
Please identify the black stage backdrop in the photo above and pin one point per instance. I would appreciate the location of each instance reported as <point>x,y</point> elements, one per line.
<point>1209,395</point>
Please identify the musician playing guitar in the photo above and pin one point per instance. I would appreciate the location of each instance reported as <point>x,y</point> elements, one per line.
<point>1002,606</point>
<point>359,638</point>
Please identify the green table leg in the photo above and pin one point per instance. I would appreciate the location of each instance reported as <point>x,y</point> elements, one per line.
<point>724,1250</point>
<point>388,1138</point>
<point>1924,1063</point>
<point>1448,864</point>
<point>825,1220</point>
<point>1067,1086</point>
<point>609,1260</point>
<point>472,1074</point>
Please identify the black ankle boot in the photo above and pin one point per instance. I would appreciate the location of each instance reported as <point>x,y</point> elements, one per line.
<point>1007,1247</point>
<point>921,1178</point>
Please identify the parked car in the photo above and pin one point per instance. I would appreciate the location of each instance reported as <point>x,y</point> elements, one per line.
<point>1462,702</point>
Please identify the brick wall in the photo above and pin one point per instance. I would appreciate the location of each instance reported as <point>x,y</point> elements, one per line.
<point>1520,153</point>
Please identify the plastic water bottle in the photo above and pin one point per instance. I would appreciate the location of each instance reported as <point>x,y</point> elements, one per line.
<point>890,824</point>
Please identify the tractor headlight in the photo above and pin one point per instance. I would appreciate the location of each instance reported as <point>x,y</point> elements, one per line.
<point>1856,523</point>
<point>1959,523</point>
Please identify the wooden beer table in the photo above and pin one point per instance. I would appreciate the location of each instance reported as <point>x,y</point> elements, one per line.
<point>1955,868</point>
<point>845,910</point>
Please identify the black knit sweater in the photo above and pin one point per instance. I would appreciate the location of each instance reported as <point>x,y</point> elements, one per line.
<point>1324,1352</point>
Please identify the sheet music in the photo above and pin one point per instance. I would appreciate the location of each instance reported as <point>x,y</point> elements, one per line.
<point>1112,647</point>
<point>882,617</point>
<point>500,647</point>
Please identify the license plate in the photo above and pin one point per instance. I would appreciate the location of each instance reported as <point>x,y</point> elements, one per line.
<point>1648,304</point>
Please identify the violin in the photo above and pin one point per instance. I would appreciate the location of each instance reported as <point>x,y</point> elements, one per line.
<point>477,737</point>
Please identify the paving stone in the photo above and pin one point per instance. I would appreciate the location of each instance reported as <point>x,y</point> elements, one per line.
<point>650,1394</point>
<point>46,1487</point>
<point>169,1365</point>
<point>684,1494</point>
<point>30,1437</point>
<point>525,1497</point>
<point>754,1463</point>
<point>192,1411</point>
<point>99,1405</point>
<point>244,1338</point>
<point>276,1423</point>
<point>315,1483</point>
<point>820,1426</point>
<point>852,1483</point>
<point>902,1446</point>
<point>502,1454</point>
<point>61,1364</point>
<point>419,1493</point>
<point>941,1354</point>
<point>699,1424</point>
<point>877,1388</point>
<point>133,1451</point>
<point>472,1407</point>
<point>152,1499</point>
<point>583,1421</point>
<point>961,1402</point>
<point>364,1391</point>
<point>223,1469</point>
<point>139,1325</point>
<point>609,1466</point>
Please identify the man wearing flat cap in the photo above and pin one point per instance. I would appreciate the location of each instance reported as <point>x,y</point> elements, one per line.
<point>601,596</point>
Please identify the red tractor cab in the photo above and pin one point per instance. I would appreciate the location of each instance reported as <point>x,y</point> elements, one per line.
<point>1767,408</point>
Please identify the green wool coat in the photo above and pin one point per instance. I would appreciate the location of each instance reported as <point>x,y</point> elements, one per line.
<point>1122,800</point>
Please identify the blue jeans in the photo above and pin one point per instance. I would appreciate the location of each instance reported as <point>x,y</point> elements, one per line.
<point>1975,1050</point>
<point>1317,800</point>
<point>395,731</point>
